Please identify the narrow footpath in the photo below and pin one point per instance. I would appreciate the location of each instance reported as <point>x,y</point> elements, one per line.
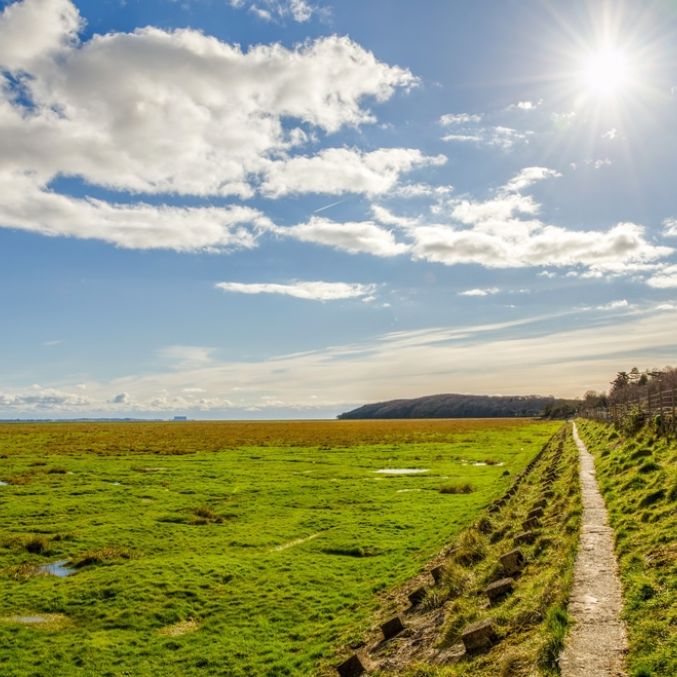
<point>597,643</point>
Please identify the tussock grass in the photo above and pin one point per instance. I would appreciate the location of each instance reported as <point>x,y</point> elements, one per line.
<point>462,488</point>
<point>107,555</point>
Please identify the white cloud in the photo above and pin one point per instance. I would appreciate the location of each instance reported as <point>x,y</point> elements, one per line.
<point>362,237</point>
<point>498,137</point>
<point>501,232</point>
<point>614,305</point>
<point>122,398</point>
<point>670,227</point>
<point>534,244</point>
<point>342,170</point>
<point>459,119</point>
<point>400,364</point>
<point>178,112</point>
<point>32,32</point>
<point>25,205</point>
<point>610,134</point>
<point>480,292</point>
<point>181,112</point>
<point>526,105</point>
<point>527,177</point>
<point>416,190</point>
<point>312,291</point>
<point>38,398</point>
<point>665,279</point>
<point>385,216</point>
<point>297,10</point>
<point>466,128</point>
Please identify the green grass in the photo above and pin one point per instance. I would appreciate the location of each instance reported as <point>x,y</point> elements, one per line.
<point>638,478</point>
<point>267,545</point>
<point>530,623</point>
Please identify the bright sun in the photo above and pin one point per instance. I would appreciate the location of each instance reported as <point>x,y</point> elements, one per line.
<point>606,72</point>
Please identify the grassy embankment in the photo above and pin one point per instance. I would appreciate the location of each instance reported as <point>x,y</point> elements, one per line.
<point>226,548</point>
<point>531,622</point>
<point>638,478</point>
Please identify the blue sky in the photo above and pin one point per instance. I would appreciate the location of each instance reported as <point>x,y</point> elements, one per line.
<point>286,208</point>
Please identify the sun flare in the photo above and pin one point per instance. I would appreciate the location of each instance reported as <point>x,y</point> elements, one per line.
<point>606,72</point>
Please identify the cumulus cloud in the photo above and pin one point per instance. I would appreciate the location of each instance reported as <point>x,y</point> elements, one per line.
<point>122,398</point>
<point>177,112</point>
<point>312,291</point>
<point>535,244</point>
<point>27,205</point>
<point>665,279</point>
<point>362,237</point>
<point>32,32</point>
<point>341,170</point>
<point>502,231</point>
<point>38,398</point>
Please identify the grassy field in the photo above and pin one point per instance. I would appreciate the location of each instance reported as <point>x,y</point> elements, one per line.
<point>227,548</point>
<point>638,477</point>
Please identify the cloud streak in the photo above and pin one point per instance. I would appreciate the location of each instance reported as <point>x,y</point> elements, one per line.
<point>309,291</point>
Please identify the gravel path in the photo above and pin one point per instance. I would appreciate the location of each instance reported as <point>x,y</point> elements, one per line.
<point>597,643</point>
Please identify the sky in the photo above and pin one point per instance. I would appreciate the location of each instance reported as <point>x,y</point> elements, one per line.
<point>289,208</point>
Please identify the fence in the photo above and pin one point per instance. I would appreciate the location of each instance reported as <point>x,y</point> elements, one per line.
<point>656,400</point>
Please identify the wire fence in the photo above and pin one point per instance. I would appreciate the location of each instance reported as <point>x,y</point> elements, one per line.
<point>657,401</point>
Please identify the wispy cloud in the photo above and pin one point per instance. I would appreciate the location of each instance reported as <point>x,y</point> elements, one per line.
<point>522,356</point>
<point>270,10</point>
<point>311,291</point>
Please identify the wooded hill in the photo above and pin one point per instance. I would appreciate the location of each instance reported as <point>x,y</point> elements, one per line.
<point>457,406</point>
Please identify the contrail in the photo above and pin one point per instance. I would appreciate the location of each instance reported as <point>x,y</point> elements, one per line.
<point>333,204</point>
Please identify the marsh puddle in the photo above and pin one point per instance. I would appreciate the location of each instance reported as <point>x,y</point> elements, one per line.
<point>30,619</point>
<point>57,569</point>
<point>401,471</point>
<point>406,491</point>
<point>3,484</point>
<point>48,621</point>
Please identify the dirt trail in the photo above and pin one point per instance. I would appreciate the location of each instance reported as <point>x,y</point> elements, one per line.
<point>597,642</point>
